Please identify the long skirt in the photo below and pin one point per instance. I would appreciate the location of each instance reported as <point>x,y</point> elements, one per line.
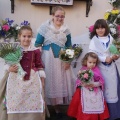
<point>59,83</point>
<point>114,108</point>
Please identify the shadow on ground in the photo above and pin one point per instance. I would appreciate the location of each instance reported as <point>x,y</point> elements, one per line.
<point>53,115</point>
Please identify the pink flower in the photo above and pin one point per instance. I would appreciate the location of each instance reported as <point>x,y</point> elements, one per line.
<point>6,27</point>
<point>118,27</point>
<point>91,28</point>
<point>85,76</point>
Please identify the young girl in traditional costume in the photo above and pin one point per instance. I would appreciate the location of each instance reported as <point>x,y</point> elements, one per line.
<point>100,44</point>
<point>88,100</point>
<point>53,35</point>
<point>24,96</point>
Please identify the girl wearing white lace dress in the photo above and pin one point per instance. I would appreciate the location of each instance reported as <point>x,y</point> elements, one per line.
<point>53,35</point>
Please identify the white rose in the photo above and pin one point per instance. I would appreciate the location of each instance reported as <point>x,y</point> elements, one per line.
<point>118,16</point>
<point>18,27</point>
<point>113,30</point>
<point>111,25</point>
<point>70,53</point>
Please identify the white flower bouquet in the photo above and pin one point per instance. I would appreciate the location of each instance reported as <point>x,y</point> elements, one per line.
<point>69,54</point>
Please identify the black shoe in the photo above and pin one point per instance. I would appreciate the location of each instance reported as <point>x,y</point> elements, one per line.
<point>60,115</point>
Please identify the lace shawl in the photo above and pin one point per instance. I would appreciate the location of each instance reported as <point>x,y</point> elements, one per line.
<point>52,35</point>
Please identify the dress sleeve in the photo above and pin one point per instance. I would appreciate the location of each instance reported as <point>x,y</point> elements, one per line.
<point>38,60</point>
<point>98,77</point>
<point>42,73</point>
<point>39,40</point>
<point>68,42</point>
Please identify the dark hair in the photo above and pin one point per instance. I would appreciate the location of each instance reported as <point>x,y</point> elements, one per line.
<point>90,54</point>
<point>100,23</point>
<point>24,28</point>
<point>54,9</point>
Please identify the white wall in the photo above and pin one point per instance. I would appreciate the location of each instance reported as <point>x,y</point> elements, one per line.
<point>75,15</point>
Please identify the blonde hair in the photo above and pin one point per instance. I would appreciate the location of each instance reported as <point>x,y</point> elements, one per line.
<point>90,54</point>
<point>56,8</point>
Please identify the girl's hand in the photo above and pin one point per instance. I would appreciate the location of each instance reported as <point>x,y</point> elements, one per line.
<point>13,68</point>
<point>89,85</point>
<point>108,60</point>
<point>66,66</point>
<point>115,57</point>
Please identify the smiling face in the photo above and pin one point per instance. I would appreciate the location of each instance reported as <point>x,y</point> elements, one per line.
<point>58,17</point>
<point>25,37</point>
<point>91,62</point>
<point>100,32</point>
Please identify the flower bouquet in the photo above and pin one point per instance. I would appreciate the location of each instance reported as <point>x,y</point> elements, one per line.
<point>9,29</point>
<point>115,48</point>
<point>12,54</point>
<point>69,54</point>
<point>84,76</point>
<point>115,3</point>
<point>78,50</point>
<point>111,15</point>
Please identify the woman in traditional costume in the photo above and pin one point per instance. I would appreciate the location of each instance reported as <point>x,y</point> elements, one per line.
<point>53,35</point>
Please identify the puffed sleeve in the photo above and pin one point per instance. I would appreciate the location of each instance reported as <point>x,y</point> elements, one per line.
<point>68,42</point>
<point>39,40</point>
<point>38,60</point>
<point>42,73</point>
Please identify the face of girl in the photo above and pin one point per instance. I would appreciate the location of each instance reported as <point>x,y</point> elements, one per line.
<point>91,62</point>
<point>58,17</point>
<point>25,38</point>
<point>100,32</point>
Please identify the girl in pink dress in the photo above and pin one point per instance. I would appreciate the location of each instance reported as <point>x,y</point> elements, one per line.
<point>87,104</point>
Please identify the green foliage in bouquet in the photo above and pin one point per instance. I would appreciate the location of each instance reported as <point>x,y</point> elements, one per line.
<point>115,3</point>
<point>8,48</point>
<point>12,54</point>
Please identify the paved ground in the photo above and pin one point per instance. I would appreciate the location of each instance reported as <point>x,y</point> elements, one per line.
<point>53,115</point>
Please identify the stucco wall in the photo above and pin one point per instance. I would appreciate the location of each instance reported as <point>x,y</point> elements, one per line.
<point>75,15</point>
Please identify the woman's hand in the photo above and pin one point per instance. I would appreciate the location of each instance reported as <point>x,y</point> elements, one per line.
<point>108,60</point>
<point>13,68</point>
<point>115,57</point>
<point>66,66</point>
